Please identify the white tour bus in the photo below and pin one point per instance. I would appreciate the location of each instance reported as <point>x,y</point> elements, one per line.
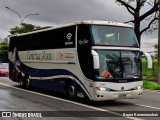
<point>98,60</point>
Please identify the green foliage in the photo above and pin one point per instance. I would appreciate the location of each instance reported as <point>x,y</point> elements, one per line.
<point>23,29</point>
<point>156,49</point>
<point>156,46</point>
<point>149,72</point>
<point>150,85</point>
<point>4,52</point>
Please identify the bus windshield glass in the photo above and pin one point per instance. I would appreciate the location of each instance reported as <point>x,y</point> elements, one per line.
<point>119,64</point>
<point>114,36</point>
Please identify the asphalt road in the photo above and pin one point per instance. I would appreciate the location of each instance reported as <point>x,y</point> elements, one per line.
<point>51,105</point>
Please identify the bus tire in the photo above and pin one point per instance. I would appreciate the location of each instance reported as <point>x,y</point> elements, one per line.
<point>28,83</point>
<point>21,81</point>
<point>71,92</point>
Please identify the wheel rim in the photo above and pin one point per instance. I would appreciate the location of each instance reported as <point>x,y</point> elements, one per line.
<point>21,82</point>
<point>71,91</point>
<point>27,83</point>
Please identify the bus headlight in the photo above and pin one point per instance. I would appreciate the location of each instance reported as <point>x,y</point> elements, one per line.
<point>102,89</point>
<point>138,87</point>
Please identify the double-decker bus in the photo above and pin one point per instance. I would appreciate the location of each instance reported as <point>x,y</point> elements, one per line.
<point>98,60</point>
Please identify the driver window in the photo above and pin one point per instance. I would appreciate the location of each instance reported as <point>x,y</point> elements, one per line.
<point>110,39</point>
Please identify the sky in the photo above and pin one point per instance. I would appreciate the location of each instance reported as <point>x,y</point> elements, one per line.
<point>59,12</point>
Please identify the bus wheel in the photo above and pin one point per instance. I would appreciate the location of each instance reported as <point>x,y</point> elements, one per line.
<point>28,83</point>
<point>21,81</point>
<point>71,93</point>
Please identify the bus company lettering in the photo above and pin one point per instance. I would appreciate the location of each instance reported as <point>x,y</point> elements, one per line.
<point>82,42</point>
<point>39,56</point>
<point>46,56</point>
<point>33,56</point>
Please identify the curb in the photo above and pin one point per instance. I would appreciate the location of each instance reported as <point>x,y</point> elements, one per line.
<point>151,90</point>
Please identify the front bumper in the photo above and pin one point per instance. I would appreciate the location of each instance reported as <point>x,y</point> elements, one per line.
<point>115,95</point>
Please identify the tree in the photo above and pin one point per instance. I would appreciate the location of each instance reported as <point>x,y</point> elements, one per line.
<point>156,50</point>
<point>23,29</point>
<point>4,52</point>
<point>151,14</point>
<point>158,81</point>
<point>139,16</point>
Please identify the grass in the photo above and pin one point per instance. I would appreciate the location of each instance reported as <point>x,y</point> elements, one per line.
<point>150,85</point>
<point>150,75</point>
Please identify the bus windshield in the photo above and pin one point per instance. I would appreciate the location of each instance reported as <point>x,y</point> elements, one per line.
<point>119,64</point>
<point>114,36</point>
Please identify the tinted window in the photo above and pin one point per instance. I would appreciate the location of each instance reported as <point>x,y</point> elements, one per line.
<point>52,39</point>
<point>119,64</point>
<point>114,36</point>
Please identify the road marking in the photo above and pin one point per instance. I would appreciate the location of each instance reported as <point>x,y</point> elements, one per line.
<point>147,106</point>
<point>76,103</point>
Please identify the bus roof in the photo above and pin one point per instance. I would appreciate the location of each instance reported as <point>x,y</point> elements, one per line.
<point>95,22</point>
<point>99,22</point>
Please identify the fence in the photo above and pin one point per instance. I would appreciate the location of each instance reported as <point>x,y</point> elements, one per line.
<point>150,72</point>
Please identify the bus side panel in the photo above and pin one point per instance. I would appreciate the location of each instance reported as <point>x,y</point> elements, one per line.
<point>31,55</point>
<point>58,85</point>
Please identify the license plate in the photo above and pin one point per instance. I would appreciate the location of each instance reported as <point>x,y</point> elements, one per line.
<point>122,95</point>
